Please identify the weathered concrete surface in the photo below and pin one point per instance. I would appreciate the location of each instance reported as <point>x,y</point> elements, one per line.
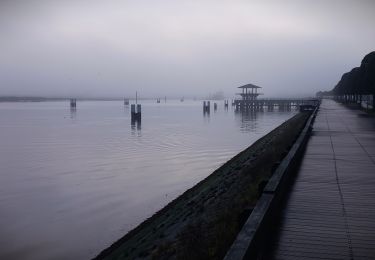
<point>330,211</point>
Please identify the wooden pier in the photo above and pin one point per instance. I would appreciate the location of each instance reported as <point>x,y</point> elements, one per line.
<point>250,101</point>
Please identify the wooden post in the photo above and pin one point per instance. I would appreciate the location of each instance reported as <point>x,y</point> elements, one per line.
<point>73,103</point>
<point>206,107</point>
<point>139,108</point>
<point>136,113</point>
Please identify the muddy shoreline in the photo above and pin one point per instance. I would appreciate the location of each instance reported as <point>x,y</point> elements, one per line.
<point>203,221</point>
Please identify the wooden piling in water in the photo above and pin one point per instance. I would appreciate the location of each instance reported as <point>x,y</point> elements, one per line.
<point>73,103</point>
<point>135,112</point>
<point>206,107</point>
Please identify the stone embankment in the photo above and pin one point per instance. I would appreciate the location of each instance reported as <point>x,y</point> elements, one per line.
<point>203,222</point>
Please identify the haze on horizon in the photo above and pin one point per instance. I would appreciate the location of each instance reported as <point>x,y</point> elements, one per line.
<point>113,48</point>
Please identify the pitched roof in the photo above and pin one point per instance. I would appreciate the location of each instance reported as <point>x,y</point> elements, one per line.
<point>249,86</point>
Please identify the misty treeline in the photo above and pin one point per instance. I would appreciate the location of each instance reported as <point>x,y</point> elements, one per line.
<point>359,81</point>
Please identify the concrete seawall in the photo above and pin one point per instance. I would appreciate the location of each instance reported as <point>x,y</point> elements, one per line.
<point>205,220</point>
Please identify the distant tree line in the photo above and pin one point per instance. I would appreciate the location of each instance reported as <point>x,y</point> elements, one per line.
<point>355,84</point>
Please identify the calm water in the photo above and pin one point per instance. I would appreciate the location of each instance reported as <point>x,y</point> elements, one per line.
<point>73,182</point>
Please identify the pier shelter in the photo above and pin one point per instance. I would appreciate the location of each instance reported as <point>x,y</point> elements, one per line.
<point>249,92</point>
<point>249,96</point>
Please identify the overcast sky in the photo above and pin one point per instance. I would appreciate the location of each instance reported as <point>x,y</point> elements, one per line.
<point>179,48</point>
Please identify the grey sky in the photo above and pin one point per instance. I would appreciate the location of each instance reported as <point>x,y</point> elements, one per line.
<point>175,48</point>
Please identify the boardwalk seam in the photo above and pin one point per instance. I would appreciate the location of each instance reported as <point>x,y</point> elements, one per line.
<point>356,139</point>
<point>350,247</point>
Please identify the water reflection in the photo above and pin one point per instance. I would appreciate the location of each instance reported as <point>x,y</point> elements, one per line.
<point>206,116</point>
<point>247,120</point>
<point>73,112</point>
<point>136,127</point>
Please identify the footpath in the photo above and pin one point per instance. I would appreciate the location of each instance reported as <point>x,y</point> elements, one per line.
<point>330,210</point>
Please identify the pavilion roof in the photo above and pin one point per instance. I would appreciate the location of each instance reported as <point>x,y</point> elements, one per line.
<point>249,94</point>
<point>249,86</point>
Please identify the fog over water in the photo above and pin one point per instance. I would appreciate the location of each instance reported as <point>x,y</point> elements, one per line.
<point>179,48</point>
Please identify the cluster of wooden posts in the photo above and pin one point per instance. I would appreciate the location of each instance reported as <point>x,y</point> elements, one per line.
<point>135,109</point>
<point>207,106</point>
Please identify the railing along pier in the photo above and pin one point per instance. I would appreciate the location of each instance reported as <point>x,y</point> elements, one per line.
<point>272,104</point>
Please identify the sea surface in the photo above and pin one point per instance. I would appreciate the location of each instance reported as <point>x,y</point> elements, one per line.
<point>74,181</point>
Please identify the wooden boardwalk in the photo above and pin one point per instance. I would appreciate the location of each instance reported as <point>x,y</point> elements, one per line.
<point>330,209</point>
